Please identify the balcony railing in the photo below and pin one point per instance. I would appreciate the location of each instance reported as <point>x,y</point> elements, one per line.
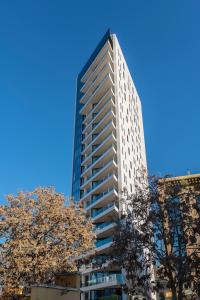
<point>103,242</point>
<point>105,279</point>
<point>103,225</point>
<point>102,88</point>
<point>97,159</point>
<point>107,138</point>
<point>97,114</point>
<point>95,125</point>
<point>96,136</point>
<point>92,68</point>
<point>96,198</point>
<point>97,183</point>
<point>82,100</point>
<point>97,212</point>
<point>98,105</point>
<point>95,173</point>
<point>96,78</point>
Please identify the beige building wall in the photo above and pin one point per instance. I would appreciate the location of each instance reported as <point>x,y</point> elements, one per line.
<point>53,293</point>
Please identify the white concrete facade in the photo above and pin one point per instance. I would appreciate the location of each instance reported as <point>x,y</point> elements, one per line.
<point>112,154</point>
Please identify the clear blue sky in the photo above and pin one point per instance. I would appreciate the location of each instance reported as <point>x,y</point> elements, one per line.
<point>43,46</point>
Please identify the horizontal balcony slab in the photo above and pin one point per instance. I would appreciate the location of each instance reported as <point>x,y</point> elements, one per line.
<point>106,214</point>
<point>99,105</point>
<point>109,105</point>
<point>109,181</point>
<point>109,153</point>
<point>97,80</point>
<point>107,47</point>
<point>109,142</point>
<point>109,167</point>
<point>104,200</point>
<point>105,282</point>
<point>106,230</point>
<point>97,92</point>
<point>107,58</point>
<point>105,132</point>
<point>104,248</point>
<point>109,116</point>
<point>106,84</point>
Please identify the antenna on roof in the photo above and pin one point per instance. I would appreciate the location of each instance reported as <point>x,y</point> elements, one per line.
<point>188,172</point>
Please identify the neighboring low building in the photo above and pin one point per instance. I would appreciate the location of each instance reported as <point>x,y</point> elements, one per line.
<point>67,287</point>
<point>45,292</point>
<point>188,191</point>
<point>187,185</point>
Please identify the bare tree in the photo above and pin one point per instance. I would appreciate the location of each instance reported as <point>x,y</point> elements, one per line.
<point>40,235</point>
<point>160,231</point>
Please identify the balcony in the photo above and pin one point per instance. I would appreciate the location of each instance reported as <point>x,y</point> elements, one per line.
<point>103,214</point>
<point>108,180</point>
<point>99,126</point>
<point>98,106</point>
<point>102,242</point>
<point>96,61</point>
<point>100,160</point>
<point>103,87</point>
<point>98,139</point>
<point>107,58</point>
<point>110,280</point>
<point>108,167</point>
<point>107,69</point>
<point>102,199</point>
<point>97,85</point>
<point>104,229</point>
<point>100,149</point>
<point>97,117</point>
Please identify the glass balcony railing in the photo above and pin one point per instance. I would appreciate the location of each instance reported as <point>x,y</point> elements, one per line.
<point>95,172</point>
<point>106,139</point>
<point>94,115</point>
<point>94,91</point>
<point>95,198</point>
<point>119,278</point>
<point>96,78</point>
<point>102,242</point>
<point>83,267</point>
<point>97,183</point>
<point>98,211</point>
<point>102,225</point>
<point>93,70</point>
<point>95,159</point>
<point>95,125</point>
<point>98,104</point>
<point>98,88</point>
<point>94,137</point>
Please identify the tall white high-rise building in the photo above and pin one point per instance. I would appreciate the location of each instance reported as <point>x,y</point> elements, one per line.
<point>109,151</point>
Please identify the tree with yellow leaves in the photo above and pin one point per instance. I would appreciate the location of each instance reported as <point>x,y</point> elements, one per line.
<point>41,233</point>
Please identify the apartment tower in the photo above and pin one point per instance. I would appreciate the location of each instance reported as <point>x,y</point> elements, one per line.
<point>109,151</point>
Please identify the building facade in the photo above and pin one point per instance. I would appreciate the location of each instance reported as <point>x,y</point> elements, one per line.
<point>186,191</point>
<point>109,153</point>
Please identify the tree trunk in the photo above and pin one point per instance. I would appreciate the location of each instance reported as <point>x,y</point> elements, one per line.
<point>174,294</point>
<point>180,293</point>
